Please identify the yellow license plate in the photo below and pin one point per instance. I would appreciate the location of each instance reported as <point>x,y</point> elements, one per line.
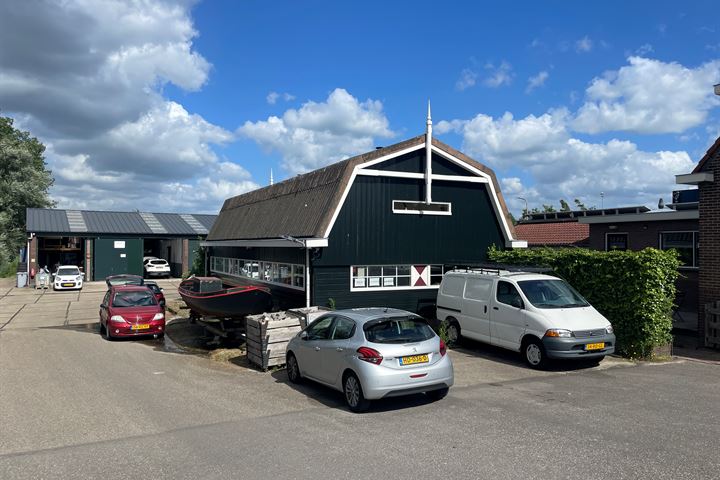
<point>595,346</point>
<point>411,359</point>
<point>68,284</point>
<point>140,326</point>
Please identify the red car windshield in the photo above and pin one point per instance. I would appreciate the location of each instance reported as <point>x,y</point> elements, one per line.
<point>134,298</point>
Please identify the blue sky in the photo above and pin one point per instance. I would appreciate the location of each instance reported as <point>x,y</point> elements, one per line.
<point>174,106</point>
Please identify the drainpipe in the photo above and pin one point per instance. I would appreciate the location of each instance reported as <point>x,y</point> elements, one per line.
<point>307,276</point>
<point>428,158</point>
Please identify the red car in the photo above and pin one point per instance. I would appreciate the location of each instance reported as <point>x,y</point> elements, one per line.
<point>130,311</point>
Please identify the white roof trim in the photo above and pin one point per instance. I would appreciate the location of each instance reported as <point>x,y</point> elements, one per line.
<point>268,242</point>
<point>420,176</point>
<point>643,217</point>
<point>694,178</point>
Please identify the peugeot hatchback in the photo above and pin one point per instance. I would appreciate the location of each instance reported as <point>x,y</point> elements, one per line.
<point>371,353</point>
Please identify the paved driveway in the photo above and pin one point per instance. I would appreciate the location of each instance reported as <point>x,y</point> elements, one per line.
<point>73,405</point>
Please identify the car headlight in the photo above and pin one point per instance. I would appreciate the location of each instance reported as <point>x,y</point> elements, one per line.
<point>78,278</point>
<point>158,316</point>
<point>117,319</point>
<point>609,329</point>
<point>558,332</point>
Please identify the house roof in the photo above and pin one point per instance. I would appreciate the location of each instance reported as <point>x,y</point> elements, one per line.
<point>304,206</point>
<point>553,234</point>
<point>700,167</point>
<point>82,222</point>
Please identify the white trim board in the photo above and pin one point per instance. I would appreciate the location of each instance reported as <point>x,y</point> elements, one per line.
<point>270,242</point>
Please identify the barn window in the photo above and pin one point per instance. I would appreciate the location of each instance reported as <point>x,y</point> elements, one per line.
<point>420,208</point>
<point>394,277</point>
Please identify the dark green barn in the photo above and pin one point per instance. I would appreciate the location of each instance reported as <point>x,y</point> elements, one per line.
<point>378,229</point>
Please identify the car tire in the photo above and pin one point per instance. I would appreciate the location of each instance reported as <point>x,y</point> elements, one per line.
<point>534,354</point>
<point>436,395</point>
<point>453,331</point>
<point>293,369</point>
<point>108,335</point>
<point>354,397</point>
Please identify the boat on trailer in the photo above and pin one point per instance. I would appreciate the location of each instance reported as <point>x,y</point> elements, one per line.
<point>208,297</point>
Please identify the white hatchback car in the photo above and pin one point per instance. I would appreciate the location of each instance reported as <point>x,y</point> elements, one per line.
<point>68,277</point>
<point>156,267</point>
<point>371,353</point>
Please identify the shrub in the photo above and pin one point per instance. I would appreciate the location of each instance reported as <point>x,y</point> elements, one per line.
<point>634,290</point>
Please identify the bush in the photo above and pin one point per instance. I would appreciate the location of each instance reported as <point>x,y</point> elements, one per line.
<point>8,269</point>
<point>634,290</point>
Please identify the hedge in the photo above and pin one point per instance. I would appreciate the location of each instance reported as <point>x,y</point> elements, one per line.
<point>634,290</point>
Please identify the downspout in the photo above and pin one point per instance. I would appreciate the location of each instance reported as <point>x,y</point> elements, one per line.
<point>307,276</point>
<point>428,158</point>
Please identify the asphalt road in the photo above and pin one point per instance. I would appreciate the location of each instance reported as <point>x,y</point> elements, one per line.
<point>73,405</point>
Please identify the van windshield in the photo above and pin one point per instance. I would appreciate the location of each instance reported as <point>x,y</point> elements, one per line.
<point>551,294</point>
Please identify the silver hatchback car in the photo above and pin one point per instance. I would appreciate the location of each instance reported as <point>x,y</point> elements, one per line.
<point>371,353</point>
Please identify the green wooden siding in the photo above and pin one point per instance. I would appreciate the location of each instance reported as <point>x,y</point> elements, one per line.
<point>414,162</point>
<point>108,260</point>
<point>368,233</point>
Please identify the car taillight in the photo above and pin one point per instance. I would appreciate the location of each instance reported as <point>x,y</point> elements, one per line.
<point>443,348</point>
<point>370,355</point>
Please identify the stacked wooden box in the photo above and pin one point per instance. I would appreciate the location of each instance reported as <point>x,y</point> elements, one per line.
<point>267,336</point>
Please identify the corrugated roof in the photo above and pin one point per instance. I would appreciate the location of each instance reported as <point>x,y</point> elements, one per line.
<point>303,206</point>
<point>46,220</point>
<point>554,234</point>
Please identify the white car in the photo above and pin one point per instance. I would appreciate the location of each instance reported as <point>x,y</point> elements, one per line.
<point>68,277</point>
<point>538,315</point>
<point>156,267</point>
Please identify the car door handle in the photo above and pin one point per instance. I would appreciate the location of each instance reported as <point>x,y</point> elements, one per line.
<point>485,311</point>
<point>495,308</point>
<point>339,349</point>
<point>317,349</point>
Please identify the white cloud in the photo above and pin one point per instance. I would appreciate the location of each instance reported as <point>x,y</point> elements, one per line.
<point>649,96</point>
<point>87,79</point>
<point>644,49</point>
<point>318,134</point>
<point>273,97</point>
<point>537,81</point>
<point>498,75</point>
<point>584,45</point>
<point>467,79</point>
<point>560,166</point>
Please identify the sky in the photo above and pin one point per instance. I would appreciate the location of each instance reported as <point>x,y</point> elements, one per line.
<point>174,106</point>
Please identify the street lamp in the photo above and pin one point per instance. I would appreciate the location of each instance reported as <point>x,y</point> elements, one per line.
<point>527,212</point>
<point>602,198</point>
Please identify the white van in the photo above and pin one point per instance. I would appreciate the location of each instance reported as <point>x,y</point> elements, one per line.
<point>538,315</point>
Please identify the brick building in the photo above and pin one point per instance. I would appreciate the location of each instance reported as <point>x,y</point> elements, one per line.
<point>709,227</point>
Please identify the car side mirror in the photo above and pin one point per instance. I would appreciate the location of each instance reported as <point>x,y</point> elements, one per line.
<point>303,335</point>
<point>102,305</point>
<point>516,302</point>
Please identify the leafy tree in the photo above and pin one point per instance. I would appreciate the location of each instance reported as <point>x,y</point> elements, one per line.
<point>564,207</point>
<point>580,205</point>
<point>548,209</point>
<point>24,183</point>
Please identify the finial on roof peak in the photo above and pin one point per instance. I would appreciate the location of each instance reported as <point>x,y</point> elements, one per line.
<point>429,117</point>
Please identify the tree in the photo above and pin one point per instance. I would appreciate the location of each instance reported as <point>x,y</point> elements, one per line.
<point>548,208</point>
<point>564,207</point>
<point>580,205</point>
<point>24,183</point>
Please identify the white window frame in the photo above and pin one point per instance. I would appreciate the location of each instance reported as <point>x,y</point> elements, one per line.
<point>381,288</point>
<point>217,265</point>
<point>627,243</point>
<point>696,239</point>
<point>421,212</point>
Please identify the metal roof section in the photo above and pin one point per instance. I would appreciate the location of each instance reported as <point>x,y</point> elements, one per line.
<point>197,227</point>
<point>76,221</point>
<point>46,220</point>
<point>152,222</point>
<point>68,222</point>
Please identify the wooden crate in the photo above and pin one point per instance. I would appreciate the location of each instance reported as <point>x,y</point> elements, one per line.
<point>308,314</point>
<point>267,336</point>
<point>712,325</point>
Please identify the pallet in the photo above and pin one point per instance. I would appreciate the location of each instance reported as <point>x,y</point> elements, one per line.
<point>712,325</point>
<point>267,337</point>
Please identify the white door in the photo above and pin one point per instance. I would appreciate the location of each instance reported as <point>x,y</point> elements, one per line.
<point>475,308</point>
<point>507,316</point>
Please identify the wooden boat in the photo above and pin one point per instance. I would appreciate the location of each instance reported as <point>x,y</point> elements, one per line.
<point>208,297</point>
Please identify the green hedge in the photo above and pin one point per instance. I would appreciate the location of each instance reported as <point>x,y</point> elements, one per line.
<point>634,290</point>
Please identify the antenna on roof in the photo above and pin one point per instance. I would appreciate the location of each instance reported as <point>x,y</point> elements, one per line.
<point>428,156</point>
<point>271,177</point>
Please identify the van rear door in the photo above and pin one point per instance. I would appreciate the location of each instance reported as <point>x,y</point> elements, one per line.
<point>475,314</point>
